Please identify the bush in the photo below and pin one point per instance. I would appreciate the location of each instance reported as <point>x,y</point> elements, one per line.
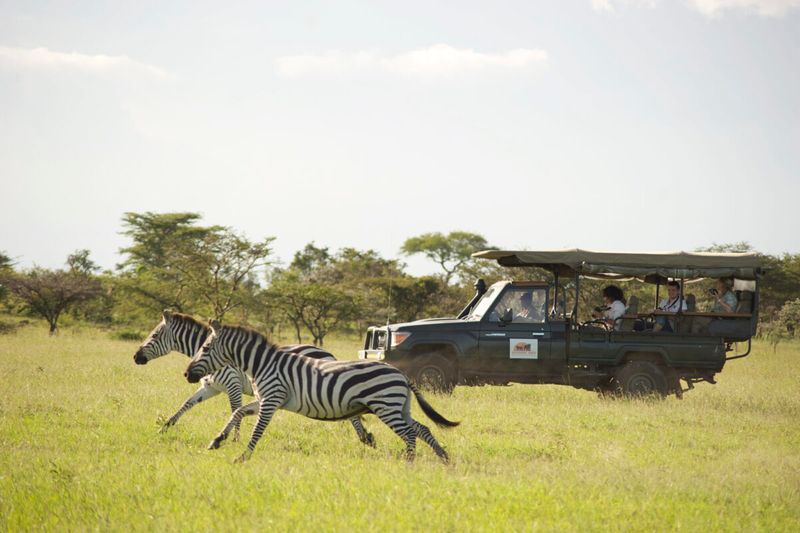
<point>7,327</point>
<point>789,317</point>
<point>128,335</point>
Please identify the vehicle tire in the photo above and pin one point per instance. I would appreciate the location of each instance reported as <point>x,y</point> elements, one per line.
<point>435,373</point>
<point>640,379</point>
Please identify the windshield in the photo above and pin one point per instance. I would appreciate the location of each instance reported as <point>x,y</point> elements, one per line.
<point>527,305</point>
<point>482,307</point>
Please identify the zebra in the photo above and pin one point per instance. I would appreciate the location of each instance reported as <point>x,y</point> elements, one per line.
<point>319,389</point>
<point>184,334</point>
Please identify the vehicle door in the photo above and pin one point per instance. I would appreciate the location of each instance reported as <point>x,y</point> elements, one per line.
<point>515,336</point>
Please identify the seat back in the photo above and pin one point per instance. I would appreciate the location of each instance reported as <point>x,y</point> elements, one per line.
<point>629,320</point>
<point>684,323</point>
<point>745,302</point>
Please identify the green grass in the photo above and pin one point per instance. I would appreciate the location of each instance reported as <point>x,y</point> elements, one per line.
<point>80,451</point>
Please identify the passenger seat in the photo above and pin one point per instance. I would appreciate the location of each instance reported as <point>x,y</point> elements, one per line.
<point>745,302</point>
<point>629,318</point>
<point>685,322</point>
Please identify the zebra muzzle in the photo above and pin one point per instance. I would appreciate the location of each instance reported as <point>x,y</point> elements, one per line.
<point>139,358</point>
<point>191,376</point>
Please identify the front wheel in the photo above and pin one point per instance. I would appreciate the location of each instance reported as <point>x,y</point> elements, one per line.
<point>436,374</point>
<point>641,378</point>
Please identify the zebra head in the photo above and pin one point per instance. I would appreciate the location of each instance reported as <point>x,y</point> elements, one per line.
<point>160,342</point>
<point>210,357</point>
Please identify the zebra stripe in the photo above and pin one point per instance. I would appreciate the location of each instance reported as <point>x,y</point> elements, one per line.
<point>319,389</point>
<point>184,334</point>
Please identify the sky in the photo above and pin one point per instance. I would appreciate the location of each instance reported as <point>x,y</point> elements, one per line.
<point>631,125</point>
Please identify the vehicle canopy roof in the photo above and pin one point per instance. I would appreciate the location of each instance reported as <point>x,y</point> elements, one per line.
<point>653,267</point>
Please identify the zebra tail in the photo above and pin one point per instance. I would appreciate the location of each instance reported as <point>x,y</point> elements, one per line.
<point>431,413</point>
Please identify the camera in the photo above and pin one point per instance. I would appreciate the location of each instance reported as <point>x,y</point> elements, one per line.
<point>601,308</point>
<point>712,292</point>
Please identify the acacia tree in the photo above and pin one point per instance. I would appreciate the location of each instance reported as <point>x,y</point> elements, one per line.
<point>50,293</point>
<point>148,275</point>
<point>174,262</point>
<point>79,263</point>
<point>451,252</point>
<point>326,308</point>
<point>286,295</point>
<point>221,268</point>
<point>319,307</point>
<point>320,291</point>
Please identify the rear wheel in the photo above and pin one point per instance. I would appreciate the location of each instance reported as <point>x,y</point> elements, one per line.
<point>435,373</point>
<point>641,378</point>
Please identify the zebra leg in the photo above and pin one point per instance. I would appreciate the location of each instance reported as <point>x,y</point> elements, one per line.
<point>363,435</point>
<point>266,408</point>
<point>205,392</point>
<point>234,389</point>
<point>397,422</point>
<point>425,434</point>
<point>233,422</point>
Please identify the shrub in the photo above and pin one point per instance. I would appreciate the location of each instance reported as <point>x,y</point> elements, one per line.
<point>789,317</point>
<point>128,335</point>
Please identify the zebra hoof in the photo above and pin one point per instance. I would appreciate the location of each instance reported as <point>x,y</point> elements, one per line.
<point>369,440</point>
<point>214,445</point>
<point>164,428</point>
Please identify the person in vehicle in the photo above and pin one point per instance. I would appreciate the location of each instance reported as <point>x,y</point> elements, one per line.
<point>671,304</point>
<point>614,307</point>
<point>530,309</point>
<point>724,299</point>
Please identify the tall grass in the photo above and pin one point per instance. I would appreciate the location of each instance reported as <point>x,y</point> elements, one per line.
<point>80,450</point>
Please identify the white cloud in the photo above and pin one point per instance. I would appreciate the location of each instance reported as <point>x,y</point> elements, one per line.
<point>612,5</point>
<point>44,59</point>
<point>709,8</point>
<point>602,5</point>
<point>765,8</point>
<point>435,61</point>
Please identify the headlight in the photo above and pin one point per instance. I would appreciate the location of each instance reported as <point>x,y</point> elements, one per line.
<point>398,337</point>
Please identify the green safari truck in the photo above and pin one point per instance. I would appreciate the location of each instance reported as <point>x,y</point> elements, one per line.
<point>529,331</point>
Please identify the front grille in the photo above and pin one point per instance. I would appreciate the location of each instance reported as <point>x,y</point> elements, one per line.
<point>379,339</point>
<point>376,339</point>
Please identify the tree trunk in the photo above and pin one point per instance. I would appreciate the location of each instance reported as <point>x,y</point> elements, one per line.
<point>297,331</point>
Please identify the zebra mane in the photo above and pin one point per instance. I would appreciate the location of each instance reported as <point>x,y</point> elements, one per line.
<point>181,317</point>
<point>250,332</point>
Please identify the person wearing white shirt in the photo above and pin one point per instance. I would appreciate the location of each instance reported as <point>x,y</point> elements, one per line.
<point>671,304</point>
<point>614,308</point>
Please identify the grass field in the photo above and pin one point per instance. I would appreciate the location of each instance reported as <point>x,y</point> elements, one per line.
<point>80,451</point>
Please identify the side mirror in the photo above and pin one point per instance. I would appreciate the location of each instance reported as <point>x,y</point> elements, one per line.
<point>508,316</point>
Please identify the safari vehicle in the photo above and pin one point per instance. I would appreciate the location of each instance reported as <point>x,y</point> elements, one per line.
<point>491,341</point>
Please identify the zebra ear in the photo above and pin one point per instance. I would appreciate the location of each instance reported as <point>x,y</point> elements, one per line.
<point>215,324</point>
<point>167,314</point>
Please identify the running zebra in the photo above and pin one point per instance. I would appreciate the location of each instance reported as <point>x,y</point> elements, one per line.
<point>184,334</point>
<point>319,389</point>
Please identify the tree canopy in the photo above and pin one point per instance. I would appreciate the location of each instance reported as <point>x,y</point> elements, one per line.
<point>451,252</point>
<point>50,293</point>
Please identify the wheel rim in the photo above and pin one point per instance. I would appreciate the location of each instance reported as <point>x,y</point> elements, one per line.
<point>641,383</point>
<point>431,377</point>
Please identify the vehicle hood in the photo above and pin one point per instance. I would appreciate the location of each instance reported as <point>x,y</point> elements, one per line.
<point>431,323</point>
